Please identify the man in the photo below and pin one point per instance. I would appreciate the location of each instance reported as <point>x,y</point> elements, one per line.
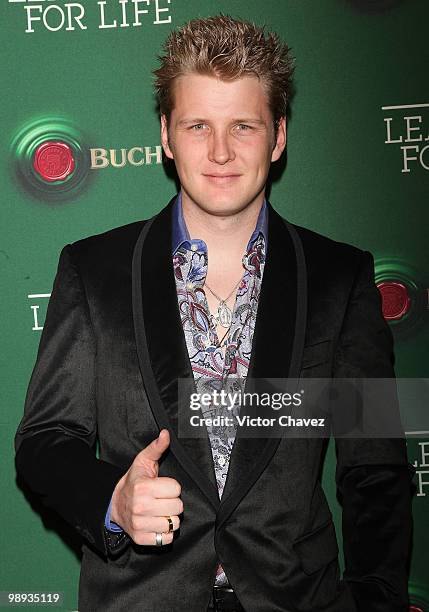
<point>216,285</point>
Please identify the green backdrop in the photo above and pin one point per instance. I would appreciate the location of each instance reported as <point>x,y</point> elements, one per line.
<point>356,171</point>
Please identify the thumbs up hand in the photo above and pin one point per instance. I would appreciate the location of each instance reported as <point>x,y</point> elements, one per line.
<point>142,499</point>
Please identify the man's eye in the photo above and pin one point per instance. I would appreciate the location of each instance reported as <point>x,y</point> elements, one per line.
<point>198,127</point>
<point>242,127</point>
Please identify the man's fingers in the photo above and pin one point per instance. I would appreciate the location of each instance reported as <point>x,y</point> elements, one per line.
<point>164,487</point>
<point>164,507</point>
<point>149,539</point>
<point>154,450</point>
<point>149,524</point>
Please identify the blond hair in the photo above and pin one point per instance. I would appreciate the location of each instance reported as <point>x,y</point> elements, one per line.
<point>228,49</point>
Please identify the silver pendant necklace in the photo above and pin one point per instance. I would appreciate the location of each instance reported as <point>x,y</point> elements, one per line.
<point>224,313</point>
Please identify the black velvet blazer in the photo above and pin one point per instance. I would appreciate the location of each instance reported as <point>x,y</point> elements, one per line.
<point>110,354</point>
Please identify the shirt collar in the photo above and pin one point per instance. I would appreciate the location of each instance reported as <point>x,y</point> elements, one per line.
<point>180,234</point>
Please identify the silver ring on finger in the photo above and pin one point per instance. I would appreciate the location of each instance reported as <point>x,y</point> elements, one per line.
<point>158,539</point>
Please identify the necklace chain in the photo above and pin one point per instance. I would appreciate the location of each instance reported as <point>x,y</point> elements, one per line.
<point>224,314</point>
<point>216,295</point>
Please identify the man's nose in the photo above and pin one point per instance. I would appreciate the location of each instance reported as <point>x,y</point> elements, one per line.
<point>221,148</point>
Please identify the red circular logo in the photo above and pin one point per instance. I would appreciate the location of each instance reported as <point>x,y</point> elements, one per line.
<point>395,299</point>
<point>415,609</point>
<point>53,161</point>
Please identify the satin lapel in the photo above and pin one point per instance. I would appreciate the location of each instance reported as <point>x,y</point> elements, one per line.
<point>161,346</point>
<point>277,348</point>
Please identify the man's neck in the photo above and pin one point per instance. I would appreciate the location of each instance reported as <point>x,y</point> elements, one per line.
<point>226,236</point>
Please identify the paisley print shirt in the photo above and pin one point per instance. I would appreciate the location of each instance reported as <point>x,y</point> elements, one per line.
<point>212,369</point>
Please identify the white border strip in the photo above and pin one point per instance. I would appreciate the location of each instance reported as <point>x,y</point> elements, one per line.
<point>410,433</point>
<point>405,106</point>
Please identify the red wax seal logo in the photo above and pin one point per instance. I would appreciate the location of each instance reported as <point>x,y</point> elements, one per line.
<point>415,609</point>
<point>53,161</point>
<point>395,299</point>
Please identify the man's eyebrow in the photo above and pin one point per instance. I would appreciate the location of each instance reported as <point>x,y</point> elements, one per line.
<point>197,120</point>
<point>191,120</point>
<point>250,120</point>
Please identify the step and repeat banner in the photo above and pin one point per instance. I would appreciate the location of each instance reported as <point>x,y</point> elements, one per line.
<point>81,154</point>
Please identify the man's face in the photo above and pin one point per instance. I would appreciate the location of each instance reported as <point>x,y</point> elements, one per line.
<point>221,137</point>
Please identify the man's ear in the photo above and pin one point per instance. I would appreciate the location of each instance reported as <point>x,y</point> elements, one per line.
<point>280,142</point>
<point>164,137</point>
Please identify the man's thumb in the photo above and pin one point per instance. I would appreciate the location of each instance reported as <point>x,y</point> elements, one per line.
<point>157,447</point>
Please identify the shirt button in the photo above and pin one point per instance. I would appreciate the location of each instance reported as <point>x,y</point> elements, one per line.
<point>194,247</point>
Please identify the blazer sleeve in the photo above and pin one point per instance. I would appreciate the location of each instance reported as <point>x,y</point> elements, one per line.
<point>55,441</point>
<point>373,476</point>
